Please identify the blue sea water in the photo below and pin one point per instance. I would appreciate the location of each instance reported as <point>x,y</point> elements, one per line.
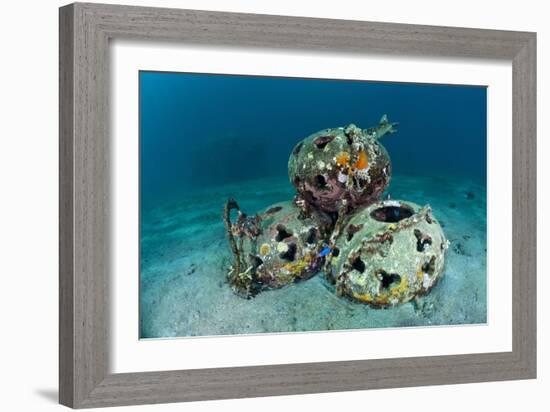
<point>206,137</point>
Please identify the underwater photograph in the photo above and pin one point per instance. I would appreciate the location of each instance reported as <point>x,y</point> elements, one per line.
<point>279,204</point>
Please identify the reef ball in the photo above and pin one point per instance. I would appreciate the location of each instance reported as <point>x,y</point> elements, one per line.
<point>388,253</point>
<point>288,246</point>
<point>275,247</point>
<point>344,166</point>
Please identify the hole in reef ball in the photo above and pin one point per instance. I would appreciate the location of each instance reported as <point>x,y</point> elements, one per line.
<point>297,148</point>
<point>290,254</point>
<point>322,141</point>
<point>421,240</point>
<point>352,230</point>
<point>320,181</point>
<point>358,265</point>
<point>386,279</point>
<point>391,214</point>
<point>282,233</point>
<point>274,210</point>
<point>256,261</point>
<point>311,237</point>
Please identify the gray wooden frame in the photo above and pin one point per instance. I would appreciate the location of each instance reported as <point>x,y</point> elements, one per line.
<point>85,31</point>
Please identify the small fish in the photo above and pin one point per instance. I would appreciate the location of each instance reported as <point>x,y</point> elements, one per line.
<point>325,252</point>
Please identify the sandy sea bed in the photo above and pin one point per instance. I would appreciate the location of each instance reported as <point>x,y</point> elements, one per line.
<point>185,256</point>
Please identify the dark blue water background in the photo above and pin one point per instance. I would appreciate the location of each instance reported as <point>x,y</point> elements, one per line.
<point>201,130</point>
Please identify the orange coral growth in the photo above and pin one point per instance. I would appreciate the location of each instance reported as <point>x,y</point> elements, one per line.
<point>342,159</point>
<point>362,162</point>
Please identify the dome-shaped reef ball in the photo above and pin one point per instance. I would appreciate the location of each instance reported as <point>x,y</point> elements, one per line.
<point>344,166</point>
<point>275,247</point>
<point>388,253</point>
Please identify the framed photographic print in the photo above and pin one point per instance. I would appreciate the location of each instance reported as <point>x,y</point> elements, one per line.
<point>257,205</point>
